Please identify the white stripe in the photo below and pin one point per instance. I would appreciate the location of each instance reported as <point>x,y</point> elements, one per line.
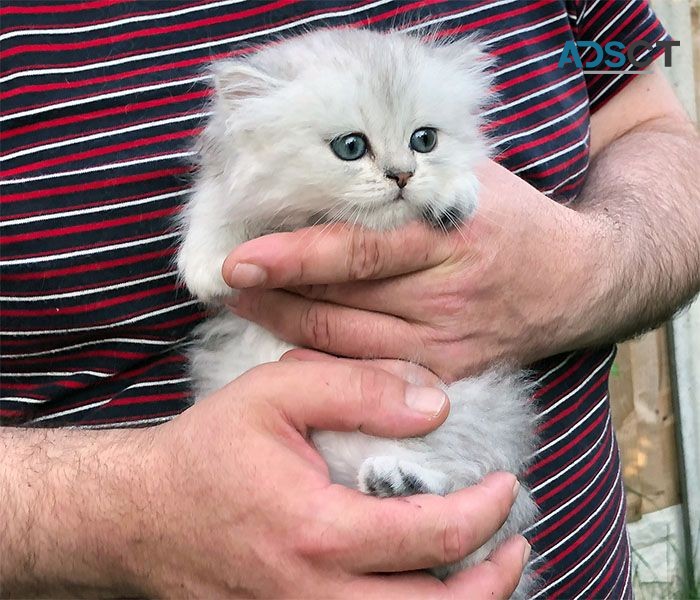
<point>582,526</point>
<point>569,178</point>
<point>583,142</point>
<point>614,79</point>
<point>628,571</point>
<point>69,411</point>
<point>574,499</point>
<point>21,399</point>
<point>603,568</point>
<point>136,319</point>
<point>135,341</point>
<point>205,45</point>
<point>118,22</point>
<point>566,435</point>
<point>104,134</point>
<point>100,97</point>
<point>38,259</point>
<point>543,126</point>
<point>159,383</point>
<point>471,11</point>
<point>541,92</point>
<point>601,33</point>
<point>94,209</point>
<point>123,424</point>
<point>88,291</point>
<point>59,374</point>
<point>591,7</point>
<point>605,361</point>
<point>554,369</point>
<point>592,553</point>
<point>524,63</point>
<point>498,38</point>
<point>117,165</point>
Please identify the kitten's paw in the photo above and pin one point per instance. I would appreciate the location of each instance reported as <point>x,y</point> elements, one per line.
<point>386,476</point>
<point>204,279</point>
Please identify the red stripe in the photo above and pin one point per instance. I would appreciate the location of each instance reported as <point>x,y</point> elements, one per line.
<point>568,483</point>
<point>113,202</point>
<point>104,150</point>
<point>124,109</point>
<point>148,32</point>
<point>558,132</point>
<point>597,564</point>
<point>585,535</point>
<point>114,128</point>
<point>94,185</point>
<point>92,307</point>
<point>134,279</point>
<point>571,443</point>
<point>66,25</point>
<point>92,266</point>
<point>92,226</point>
<point>20,9</point>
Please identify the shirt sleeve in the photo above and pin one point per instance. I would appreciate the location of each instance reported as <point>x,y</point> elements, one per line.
<point>623,21</point>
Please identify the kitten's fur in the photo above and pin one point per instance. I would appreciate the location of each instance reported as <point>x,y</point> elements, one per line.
<point>266,165</point>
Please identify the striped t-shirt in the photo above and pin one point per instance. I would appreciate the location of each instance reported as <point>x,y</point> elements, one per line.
<point>101,101</point>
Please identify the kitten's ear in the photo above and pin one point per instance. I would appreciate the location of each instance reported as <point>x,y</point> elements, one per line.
<point>470,53</point>
<point>235,81</point>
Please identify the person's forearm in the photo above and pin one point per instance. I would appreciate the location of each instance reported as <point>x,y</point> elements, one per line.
<point>72,507</point>
<point>644,190</point>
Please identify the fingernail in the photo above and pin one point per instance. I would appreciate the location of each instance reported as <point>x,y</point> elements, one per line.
<point>500,479</point>
<point>245,275</point>
<point>427,400</point>
<point>526,553</point>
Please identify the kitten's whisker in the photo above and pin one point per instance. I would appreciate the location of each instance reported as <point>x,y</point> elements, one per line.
<point>336,218</point>
<point>458,226</point>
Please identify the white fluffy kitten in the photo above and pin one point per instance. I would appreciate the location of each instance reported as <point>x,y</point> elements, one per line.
<point>375,129</point>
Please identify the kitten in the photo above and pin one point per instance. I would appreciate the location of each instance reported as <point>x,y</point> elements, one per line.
<point>376,129</point>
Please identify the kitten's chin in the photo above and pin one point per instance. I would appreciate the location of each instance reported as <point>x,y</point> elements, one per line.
<point>386,216</point>
<point>396,214</point>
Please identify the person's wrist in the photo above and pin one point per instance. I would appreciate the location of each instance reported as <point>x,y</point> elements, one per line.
<point>124,514</point>
<point>139,554</point>
<point>589,278</point>
<point>118,522</point>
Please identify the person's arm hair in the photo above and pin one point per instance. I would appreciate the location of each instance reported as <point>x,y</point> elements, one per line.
<point>71,502</point>
<point>644,188</point>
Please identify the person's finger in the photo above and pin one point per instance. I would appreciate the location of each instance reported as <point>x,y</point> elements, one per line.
<point>430,530</point>
<point>331,328</point>
<point>334,254</point>
<point>409,371</point>
<point>409,296</point>
<point>397,586</point>
<point>339,396</point>
<point>494,579</point>
<point>497,577</point>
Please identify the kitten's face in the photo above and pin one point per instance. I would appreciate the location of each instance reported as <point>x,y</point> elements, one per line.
<point>354,126</point>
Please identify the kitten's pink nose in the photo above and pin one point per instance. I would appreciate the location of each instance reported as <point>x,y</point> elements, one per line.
<point>401,179</point>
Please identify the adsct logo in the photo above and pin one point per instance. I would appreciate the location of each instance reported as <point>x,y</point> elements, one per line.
<point>615,56</point>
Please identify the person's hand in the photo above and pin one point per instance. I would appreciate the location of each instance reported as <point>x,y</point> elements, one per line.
<point>245,507</point>
<point>511,284</point>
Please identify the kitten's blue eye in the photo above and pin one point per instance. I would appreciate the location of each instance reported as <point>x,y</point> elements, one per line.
<point>424,140</point>
<point>349,147</point>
